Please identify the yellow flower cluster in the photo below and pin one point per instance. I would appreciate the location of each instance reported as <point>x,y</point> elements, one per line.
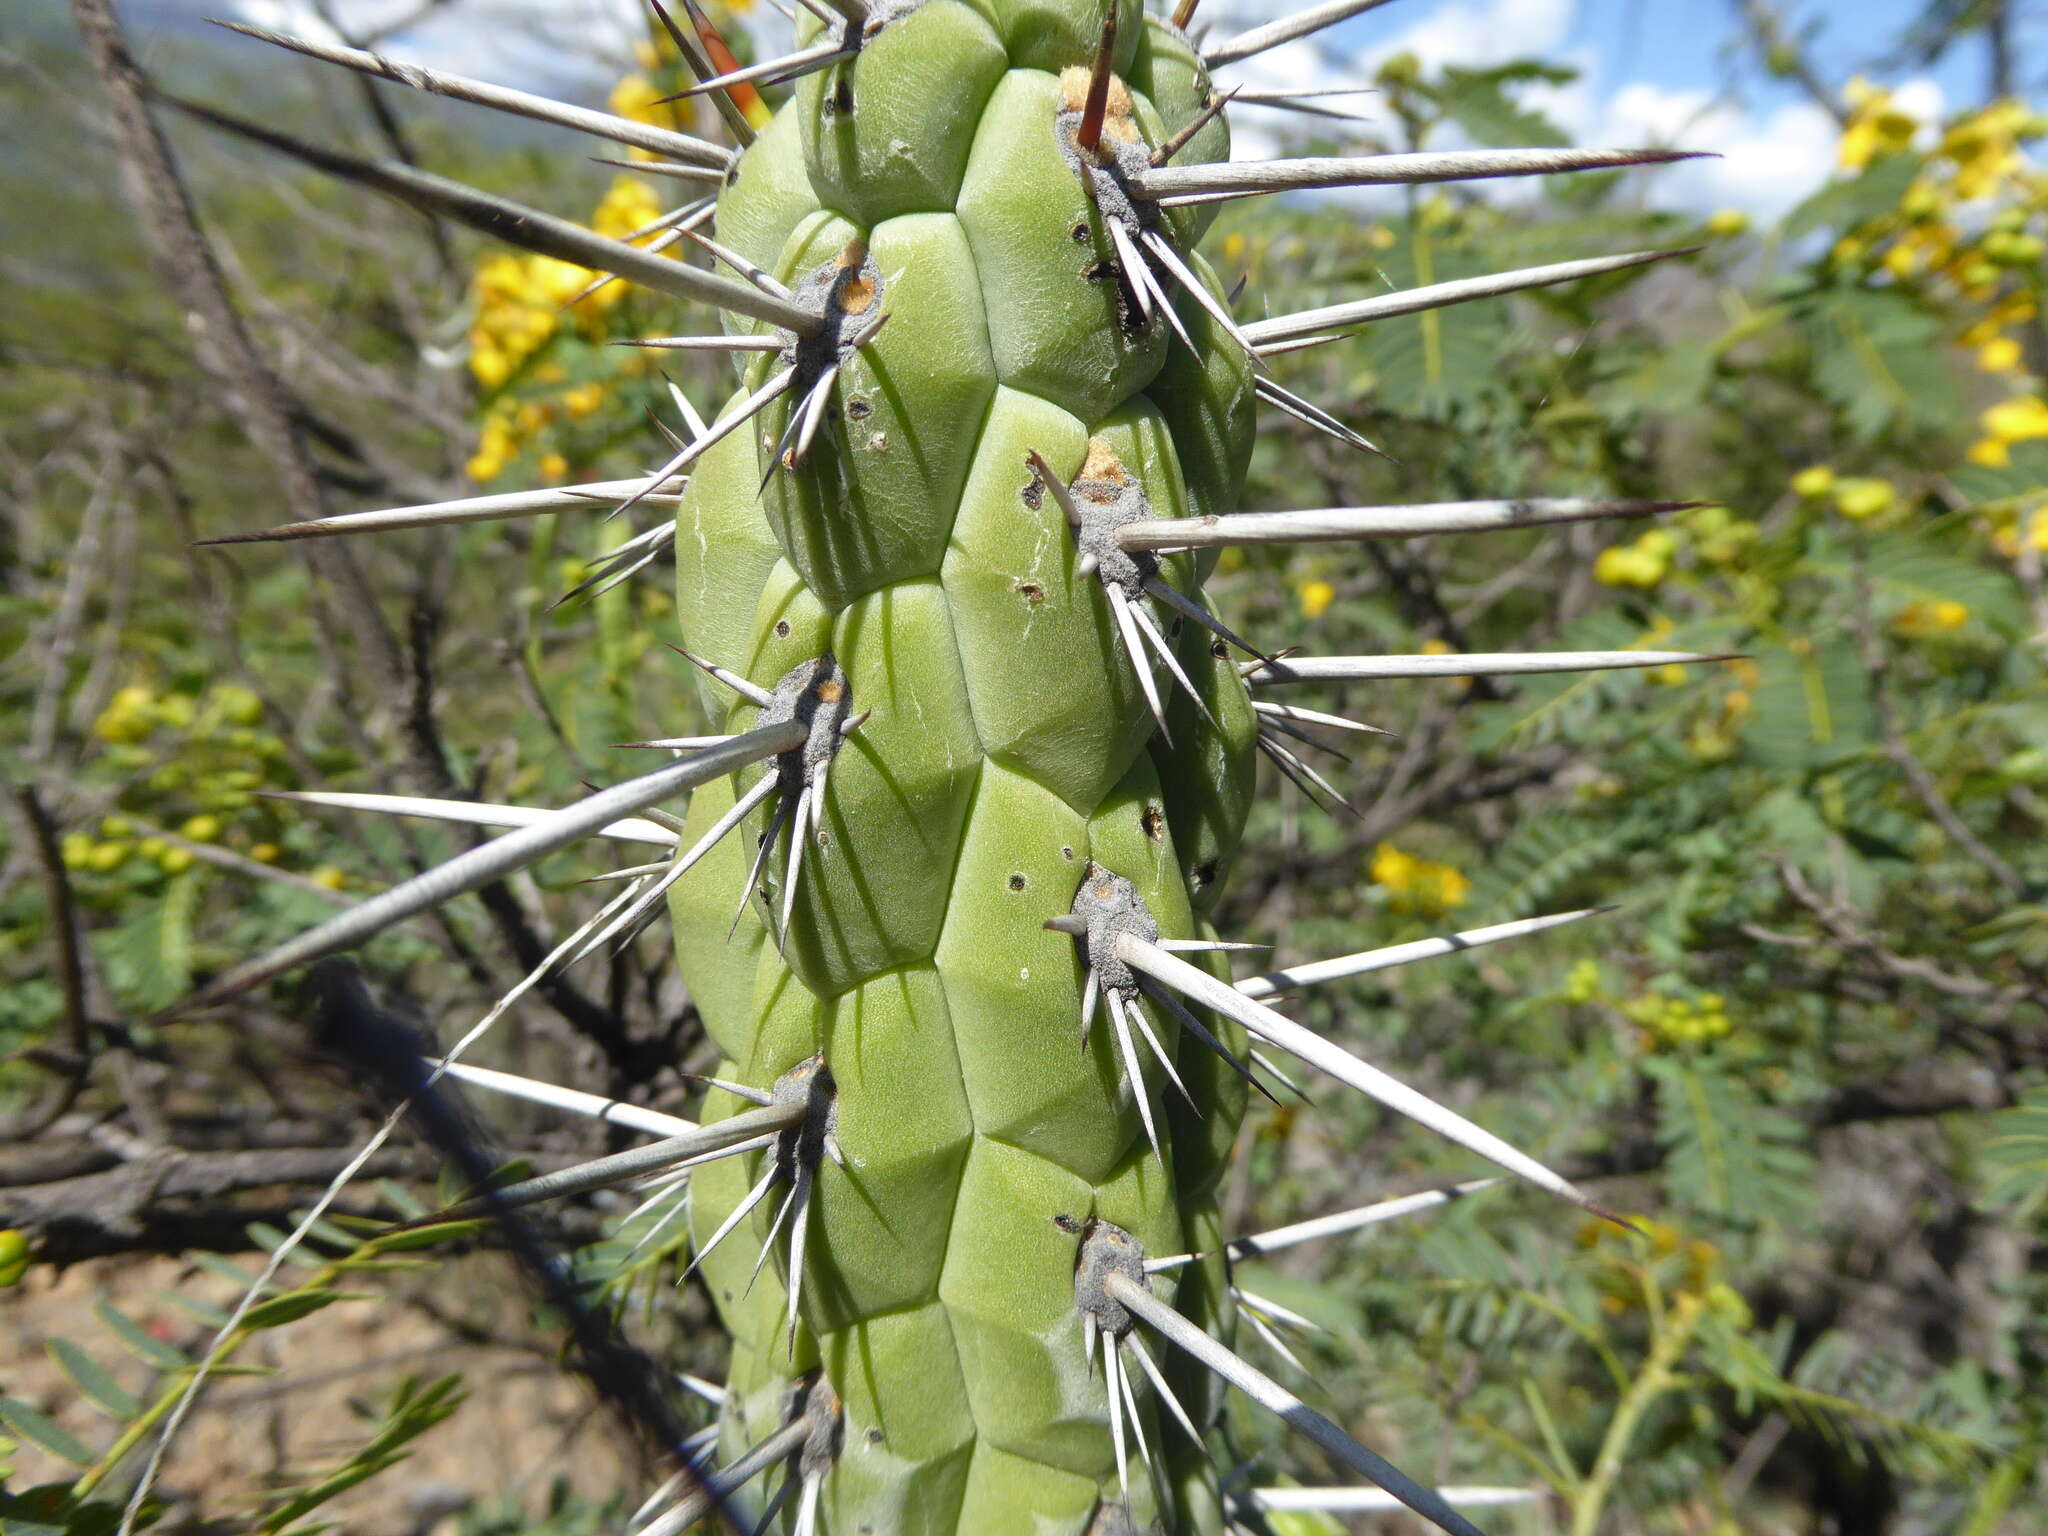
<point>1713,535</point>
<point>2007,537</point>
<point>1660,1243</point>
<point>1415,885</point>
<point>1643,564</point>
<point>1316,596</point>
<point>1877,125</point>
<point>2022,419</point>
<point>1857,497</point>
<point>1976,161</point>
<point>192,763</point>
<point>1930,621</point>
<point>1667,1022</point>
<point>520,303</point>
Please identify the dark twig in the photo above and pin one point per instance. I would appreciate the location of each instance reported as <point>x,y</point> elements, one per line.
<point>1922,783</point>
<point>63,915</point>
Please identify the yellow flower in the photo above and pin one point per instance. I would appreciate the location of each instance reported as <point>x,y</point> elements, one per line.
<point>583,400</point>
<point>1417,885</point>
<point>1727,223</point>
<point>2018,420</point>
<point>1923,621</point>
<point>1863,498</point>
<point>627,204</point>
<point>1923,200</point>
<point>484,466</point>
<point>1316,596</point>
<point>1582,983</point>
<point>1876,127</point>
<point>328,878</point>
<point>636,97</point>
<point>1233,248</point>
<point>2001,355</point>
<point>1991,453</point>
<point>1670,675</point>
<point>490,366</point>
<point>553,467</point>
<point>1642,564</point>
<point>1813,482</point>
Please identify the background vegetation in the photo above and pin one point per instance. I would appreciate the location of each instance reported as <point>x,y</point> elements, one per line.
<point>1808,1045</point>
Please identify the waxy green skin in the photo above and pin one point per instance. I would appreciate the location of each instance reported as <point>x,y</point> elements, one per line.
<point>1009,744</point>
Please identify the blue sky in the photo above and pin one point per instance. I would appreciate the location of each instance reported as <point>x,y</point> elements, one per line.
<point>1656,71</point>
<point>1652,71</point>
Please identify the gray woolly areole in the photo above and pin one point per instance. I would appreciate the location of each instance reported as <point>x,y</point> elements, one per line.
<point>1107,1249</point>
<point>817,693</point>
<point>820,1409</point>
<point>810,1084</point>
<point>1110,905</point>
<point>1108,173</point>
<point>847,292</point>
<point>1106,504</point>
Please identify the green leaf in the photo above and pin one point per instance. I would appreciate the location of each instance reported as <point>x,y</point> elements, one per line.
<point>289,1308</point>
<point>328,1487</point>
<point>1479,102</point>
<point>1811,707</point>
<point>41,1430</point>
<point>1728,1153</point>
<point>1904,569</point>
<point>1882,360</point>
<point>226,1269</point>
<point>428,1237</point>
<point>2026,475</point>
<point>2016,1158</point>
<point>94,1380</point>
<point>1841,205</point>
<point>204,1311</point>
<point>139,1339</point>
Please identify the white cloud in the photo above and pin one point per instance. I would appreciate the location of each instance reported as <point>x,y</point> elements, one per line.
<point>1476,33</point>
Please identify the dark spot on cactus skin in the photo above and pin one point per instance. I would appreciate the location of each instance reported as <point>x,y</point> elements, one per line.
<point>874,1438</point>
<point>1033,494</point>
<point>1069,1224</point>
<point>1219,649</point>
<point>1173,629</point>
<point>1205,874</point>
<point>1067,854</point>
<point>858,409</point>
<point>840,102</point>
<point>1080,234</point>
<point>782,629</point>
<point>1153,820</point>
<point>1129,318</point>
<point>1017,882</point>
<point>1032,592</point>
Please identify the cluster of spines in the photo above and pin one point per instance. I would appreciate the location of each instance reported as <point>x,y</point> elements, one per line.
<point>815,326</point>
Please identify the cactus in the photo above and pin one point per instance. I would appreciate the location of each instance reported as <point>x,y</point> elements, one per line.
<point>985,754</point>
